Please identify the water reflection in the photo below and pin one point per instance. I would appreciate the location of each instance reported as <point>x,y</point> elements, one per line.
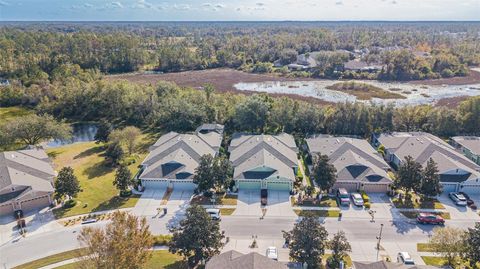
<point>82,132</point>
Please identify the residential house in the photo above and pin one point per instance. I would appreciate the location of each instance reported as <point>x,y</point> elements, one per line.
<point>264,161</point>
<point>235,260</point>
<point>469,145</point>
<point>4,82</point>
<point>359,166</point>
<point>174,157</point>
<point>26,181</point>
<point>457,172</point>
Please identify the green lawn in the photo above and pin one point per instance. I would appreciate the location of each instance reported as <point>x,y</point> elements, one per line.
<point>413,215</point>
<point>95,178</point>
<point>433,261</point>
<point>414,202</point>
<point>49,260</point>
<point>227,211</point>
<point>424,247</point>
<point>161,259</point>
<point>318,213</point>
<point>324,202</point>
<point>10,113</point>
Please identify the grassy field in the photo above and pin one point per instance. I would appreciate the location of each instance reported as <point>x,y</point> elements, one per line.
<point>364,91</point>
<point>49,260</point>
<point>95,178</point>
<point>225,199</point>
<point>161,259</point>
<point>318,213</point>
<point>10,113</point>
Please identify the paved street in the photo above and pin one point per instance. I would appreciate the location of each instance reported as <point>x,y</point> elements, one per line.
<point>399,233</point>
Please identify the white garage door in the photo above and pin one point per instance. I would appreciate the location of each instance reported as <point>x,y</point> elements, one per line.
<point>471,188</point>
<point>369,187</point>
<point>183,185</point>
<point>279,186</point>
<point>349,186</point>
<point>154,184</point>
<point>449,187</point>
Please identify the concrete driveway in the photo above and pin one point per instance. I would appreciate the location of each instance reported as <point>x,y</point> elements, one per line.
<point>460,212</point>
<point>149,202</point>
<point>248,203</point>
<point>279,204</point>
<point>176,207</point>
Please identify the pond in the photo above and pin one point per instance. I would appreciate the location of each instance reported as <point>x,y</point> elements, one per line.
<point>82,132</point>
<point>412,94</point>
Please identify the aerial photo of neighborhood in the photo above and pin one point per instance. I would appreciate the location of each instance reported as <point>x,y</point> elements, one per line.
<point>339,134</point>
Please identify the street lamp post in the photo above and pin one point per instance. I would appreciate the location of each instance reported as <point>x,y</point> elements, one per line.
<point>379,238</point>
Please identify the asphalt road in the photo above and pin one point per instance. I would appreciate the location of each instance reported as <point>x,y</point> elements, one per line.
<point>239,227</point>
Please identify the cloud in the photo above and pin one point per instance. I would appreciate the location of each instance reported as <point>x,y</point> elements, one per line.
<point>88,5</point>
<point>182,7</point>
<point>3,3</point>
<point>141,4</point>
<point>339,3</point>
<point>212,7</point>
<point>394,2</point>
<point>116,5</point>
<point>260,4</point>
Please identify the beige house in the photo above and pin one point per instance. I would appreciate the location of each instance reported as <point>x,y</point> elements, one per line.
<point>359,166</point>
<point>26,181</point>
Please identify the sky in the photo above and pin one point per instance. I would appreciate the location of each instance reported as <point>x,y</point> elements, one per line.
<point>238,10</point>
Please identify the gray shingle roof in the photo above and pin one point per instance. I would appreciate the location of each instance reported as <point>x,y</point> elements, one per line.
<point>258,153</point>
<point>27,168</point>
<point>471,143</point>
<point>236,260</point>
<point>175,156</point>
<point>354,159</point>
<point>423,146</point>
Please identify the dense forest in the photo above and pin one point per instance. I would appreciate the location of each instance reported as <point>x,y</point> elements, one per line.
<point>34,53</point>
<point>80,95</point>
<point>59,71</point>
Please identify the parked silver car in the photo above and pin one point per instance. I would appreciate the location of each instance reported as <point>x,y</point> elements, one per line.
<point>357,198</point>
<point>405,258</point>
<point>458,199</point>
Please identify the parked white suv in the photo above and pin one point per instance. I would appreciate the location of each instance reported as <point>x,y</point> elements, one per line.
<point>458,199</point>
<point>405,258</point>
<point>214,213</point>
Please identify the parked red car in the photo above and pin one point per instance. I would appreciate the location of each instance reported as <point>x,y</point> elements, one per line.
<point>425,218</point>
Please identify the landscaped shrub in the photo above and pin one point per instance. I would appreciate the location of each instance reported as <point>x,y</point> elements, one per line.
<point>367,205</point>
<point>70,203</point>
<point>162,240</point>
<point>365,197</point>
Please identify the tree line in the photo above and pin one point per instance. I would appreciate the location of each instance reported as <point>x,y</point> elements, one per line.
<point>168,107</point>
<point>31,54</point>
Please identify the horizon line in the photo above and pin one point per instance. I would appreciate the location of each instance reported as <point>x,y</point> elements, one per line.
<point>232,21</point>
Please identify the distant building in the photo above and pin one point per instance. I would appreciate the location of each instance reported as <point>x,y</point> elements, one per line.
<point>26,181</point>
<point>359,166</point>
<point>235,260</point>
<point>264,161</point>
<point>174,157</point>
<point>361,66</point>
<point>470,146</point>
<point>457,172</point>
